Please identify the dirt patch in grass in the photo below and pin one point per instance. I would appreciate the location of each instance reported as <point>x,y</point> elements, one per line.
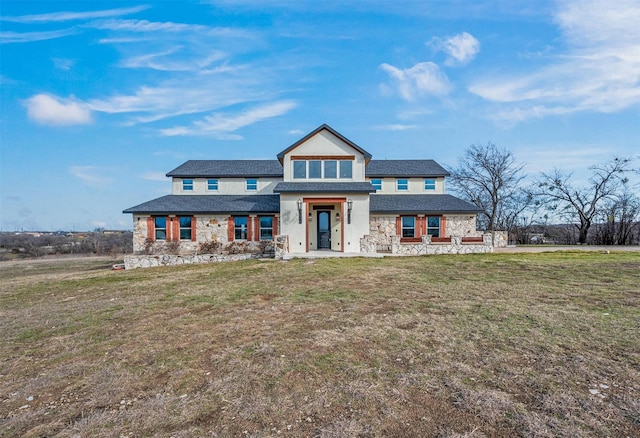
<point>452,346</point>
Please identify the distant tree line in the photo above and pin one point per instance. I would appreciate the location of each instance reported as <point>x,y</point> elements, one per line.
<point>552,207</point>
<point>34,244</point>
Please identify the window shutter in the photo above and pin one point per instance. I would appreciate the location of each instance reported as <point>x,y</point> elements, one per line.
<point>398,226</point>
<point>275,226</point>
<point>174,232</point>
<point>150,229</point>
<point>443,226</point>
<point>423,229</point>
<point>230,231</point>
<point>249,229</point>
<point>193,228</point>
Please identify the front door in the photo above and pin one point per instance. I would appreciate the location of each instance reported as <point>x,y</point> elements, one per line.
<point>324,230</point>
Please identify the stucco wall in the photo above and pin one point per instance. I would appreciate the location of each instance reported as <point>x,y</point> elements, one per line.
<point>416,186</point>
<point>226,186</point>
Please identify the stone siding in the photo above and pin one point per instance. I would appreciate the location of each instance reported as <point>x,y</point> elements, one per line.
<point>461,225</point>
<point>148,261</point>
<point>208,229</point>
<point>426,247</point>
<point>381,229</point>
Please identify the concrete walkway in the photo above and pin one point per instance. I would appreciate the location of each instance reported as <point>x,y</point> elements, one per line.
<point>328,255</point>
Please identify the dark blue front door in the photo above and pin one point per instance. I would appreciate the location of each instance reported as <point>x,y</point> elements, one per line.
<point>324,230</point>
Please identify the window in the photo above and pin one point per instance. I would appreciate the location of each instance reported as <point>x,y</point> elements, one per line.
<point>429,184</point>
<point>315,169</point>
<point>346,169</point>
<point>240,227</point>
<point>160,225</point>
<point>299,169</point>
<point>408,226</point>
<point>266,228</point>
<point>433,226</point>
<point>330,169</point>
<point>212,184</point>
<point>187,185</point>
<point>185,227</point>
<point>402,184</point>
<point>377,184</point>
<point>252,184</point>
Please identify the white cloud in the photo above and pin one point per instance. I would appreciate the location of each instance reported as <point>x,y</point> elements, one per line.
<point>423,79</point>
<point>161,61</point>
<point>222,125</point>
<point>27,37</point>
<point>599,72</point>
<point>50,110</point>
<point>396,127</point>
<point>62,63</point>
<point>460,48</point>
<point>90,175</point>
<point>68,16</point>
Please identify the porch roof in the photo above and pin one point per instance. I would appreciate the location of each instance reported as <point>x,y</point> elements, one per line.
<point>324,187</point>
<point>186,204</point>
<point>420,204</point>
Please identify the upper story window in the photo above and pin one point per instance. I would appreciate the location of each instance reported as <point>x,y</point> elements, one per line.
<point>330,169</point>
<point>299,169</point>
<point>346,169</point>
<point>212,184</point>
<point>429,184</point>
<point>160,226</point>
<point>377,184</point>
<point>187,185</point>
<point>252,185</point>
<point>315,169</point>
<point>402,184</point>
<point>408,226</point>
<point>322,169</point>
<point>185,227</point>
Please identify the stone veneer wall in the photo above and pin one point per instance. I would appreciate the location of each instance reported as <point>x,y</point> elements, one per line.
<point>426,247</point>
<point>208,228</point>
<point>381,228</point>
<point>461,225</point>
<point>148,261</point>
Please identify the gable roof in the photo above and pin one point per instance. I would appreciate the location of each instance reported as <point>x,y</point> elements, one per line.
<point>420,204</point>
<point>228,168</point>
<point>406,168</point>
<point>187,204</point>
<point>324,127</point>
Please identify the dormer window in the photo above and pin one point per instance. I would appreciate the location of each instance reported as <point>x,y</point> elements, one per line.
<point>346,169</point>
<point>252,185</point>
<point>187,185</point>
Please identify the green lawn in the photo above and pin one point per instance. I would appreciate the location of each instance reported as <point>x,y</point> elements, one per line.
<point>450,346</point>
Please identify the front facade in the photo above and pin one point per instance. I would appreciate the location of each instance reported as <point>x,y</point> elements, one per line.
<point>323,193</point>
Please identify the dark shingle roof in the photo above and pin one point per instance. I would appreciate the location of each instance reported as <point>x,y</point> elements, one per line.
<point>407,168</point>
<point>419,204</point>
<point>324,187</point>
<point>228,168</point>
<point>325,127</point>
<point>174,204</point>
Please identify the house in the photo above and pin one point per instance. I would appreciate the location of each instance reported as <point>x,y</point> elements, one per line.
<point>322,193</point>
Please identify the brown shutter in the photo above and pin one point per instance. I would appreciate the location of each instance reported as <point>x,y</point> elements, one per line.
<point>399,226</point>
<point>230,231</point>
<point>443,226</point>
<point>150,230</point>
<point>173,225</point>
<point>275,226</point>
<point>249,228</point>
<point>193,228</point>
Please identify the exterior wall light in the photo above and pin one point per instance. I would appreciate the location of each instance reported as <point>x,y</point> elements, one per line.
<point>349,207</point>
<point>299,211</point>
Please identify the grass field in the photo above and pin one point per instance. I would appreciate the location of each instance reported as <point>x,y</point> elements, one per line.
<point>450,346</point>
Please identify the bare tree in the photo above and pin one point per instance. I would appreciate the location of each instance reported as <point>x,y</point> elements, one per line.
<point>559,194</point>
<point>490,177</point>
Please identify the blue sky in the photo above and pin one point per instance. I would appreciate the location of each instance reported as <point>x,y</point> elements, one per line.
<point>100,99</point>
